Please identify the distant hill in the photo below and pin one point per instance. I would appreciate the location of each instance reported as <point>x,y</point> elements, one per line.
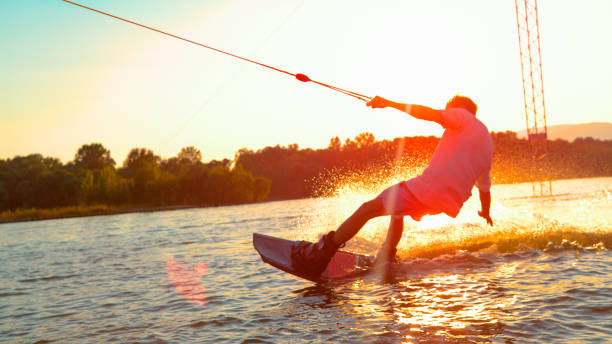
<point>569,132</point>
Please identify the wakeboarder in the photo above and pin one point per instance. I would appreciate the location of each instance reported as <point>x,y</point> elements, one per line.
<point>461,161</point>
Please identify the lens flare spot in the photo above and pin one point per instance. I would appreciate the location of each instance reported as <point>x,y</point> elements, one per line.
<point>200,268</point>
<point>185,281</point>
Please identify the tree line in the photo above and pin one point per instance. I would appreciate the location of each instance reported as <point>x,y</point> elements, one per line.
<point>296,172</point>
<point>145,179</point>
<point>270,173</point>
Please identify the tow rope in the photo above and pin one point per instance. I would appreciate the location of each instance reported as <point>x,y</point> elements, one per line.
<point>301,77</point>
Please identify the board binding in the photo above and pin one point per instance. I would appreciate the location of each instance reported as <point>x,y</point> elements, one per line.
<point>277,252</point>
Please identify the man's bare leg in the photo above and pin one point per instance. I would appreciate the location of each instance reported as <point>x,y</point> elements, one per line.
<point>355,222</point>
<point>312,258</point>
<point>394,234</point>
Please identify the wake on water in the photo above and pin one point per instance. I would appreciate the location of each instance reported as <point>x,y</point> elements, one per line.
<point>576,218</point>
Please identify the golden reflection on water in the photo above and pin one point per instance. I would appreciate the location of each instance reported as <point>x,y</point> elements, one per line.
<point>461,301</point>
<point>448,303</point>
<point>442,307</point>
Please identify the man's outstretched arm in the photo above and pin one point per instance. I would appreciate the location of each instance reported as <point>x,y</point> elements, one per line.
<point>414,110</point>
<point>485,203</point>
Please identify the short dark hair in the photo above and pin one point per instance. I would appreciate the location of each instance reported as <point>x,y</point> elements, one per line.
<point>462,102</point>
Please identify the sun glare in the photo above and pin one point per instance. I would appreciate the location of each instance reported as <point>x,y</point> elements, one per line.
<point>434,221</point>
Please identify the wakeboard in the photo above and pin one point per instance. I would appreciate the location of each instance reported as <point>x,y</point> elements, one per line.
<point>277,252</point>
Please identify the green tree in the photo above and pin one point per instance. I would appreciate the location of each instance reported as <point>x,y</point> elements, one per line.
<point>56,188</point>
<point>171,166</point>
<point>105,186</point>
<point>241,185</point>
<point>93,156</point>
<point>261,189</point>
<point>24,194</point>
<point>88,189</point>
<point>190,154</point>
<point>185,160</point>
<point>112,189</point>
<point>334,144</point>
<point>140,159</point>
<point>142,166</point>
<point>4,196</point>
<point>364,140</point>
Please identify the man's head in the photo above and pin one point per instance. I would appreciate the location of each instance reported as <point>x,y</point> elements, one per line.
<point>462,102</point>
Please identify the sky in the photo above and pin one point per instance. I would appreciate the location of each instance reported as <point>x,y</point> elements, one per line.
<point>71,77</point>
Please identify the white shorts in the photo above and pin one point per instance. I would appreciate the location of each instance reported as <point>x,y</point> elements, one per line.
<point>399,201</point>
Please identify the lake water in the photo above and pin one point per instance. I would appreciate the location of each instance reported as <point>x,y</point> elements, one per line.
<point>190,276</point>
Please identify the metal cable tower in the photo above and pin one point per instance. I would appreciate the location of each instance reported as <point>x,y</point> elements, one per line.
<point>533,91</point>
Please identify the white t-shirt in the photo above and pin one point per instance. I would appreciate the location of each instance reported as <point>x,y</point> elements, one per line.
<point>461,160</point>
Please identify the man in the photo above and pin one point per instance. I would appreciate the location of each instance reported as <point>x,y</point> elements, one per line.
<point>461,160</point>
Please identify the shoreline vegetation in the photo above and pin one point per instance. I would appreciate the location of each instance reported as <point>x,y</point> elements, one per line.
<point>34,187</point>
<point>33,214</point>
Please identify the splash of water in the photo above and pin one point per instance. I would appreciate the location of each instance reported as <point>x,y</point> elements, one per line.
<point>521,221</point>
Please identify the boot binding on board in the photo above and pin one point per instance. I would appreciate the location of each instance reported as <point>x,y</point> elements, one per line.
<point>312,258</point>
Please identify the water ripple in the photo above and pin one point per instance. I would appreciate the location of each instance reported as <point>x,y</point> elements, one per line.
<point>105,280</point>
